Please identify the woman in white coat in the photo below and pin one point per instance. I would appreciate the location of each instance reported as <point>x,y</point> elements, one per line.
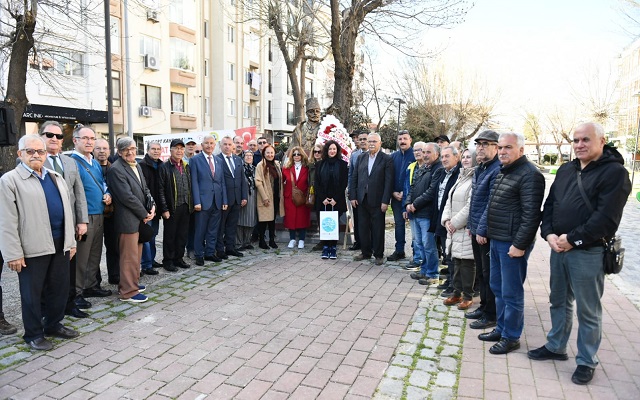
<point>454,218</point>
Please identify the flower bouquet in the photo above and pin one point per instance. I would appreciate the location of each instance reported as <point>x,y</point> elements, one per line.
<point>332,129</point>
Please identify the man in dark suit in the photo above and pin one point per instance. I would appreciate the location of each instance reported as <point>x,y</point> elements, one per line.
<point>237,195</point>
<point>51,133</point>
<point>209,199</point>
<point>361,140</point>
<point>370,189</point>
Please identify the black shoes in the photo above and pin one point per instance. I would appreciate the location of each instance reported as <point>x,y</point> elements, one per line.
<point>417,276</point>
<point>504,346</point>
<point>444,285</point>
<point>263,245</point>
<point>582,375</point>
<point>395,256</point>
<point>234,253</point>
<point>361,257</point>
<point>156,264</point>
<point>76,312</point>
<point>181,264</point>
<point>221,255</point>
<point>272,244</point>
<point>199,261</point>
<point>212,258</point>
<point>475,314</point>
<point>62,332</point>
<point>96,292</point>
<point>248,247</point>
<point>81,303</point>
<point>168,266</point>
<point>149,271</point>
<point>41,344</point>
<point>482,323</point>
<point>542,353</point>
<point>6,328</point>
<point>448,292</point>
<point>493,336</point>
<point>355,246</point>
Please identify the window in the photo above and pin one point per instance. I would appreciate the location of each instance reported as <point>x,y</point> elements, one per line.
<point>269,49</point>
<point>291,118</point>
<point>150,96</point>
<point>205,28</point>
<point>269,112</point>
<point>183,12</point>
<point>232,71</point>
<point>115,35</point>
<point>150,46</point>
<point>182,54</point>
<point>115,85</point>
<point>206,67</point>
<point>69,64</point>
<point>247,77</point>
<point>269,81</point>
<point>231,33</point>
<point>289,89</point>
<point>308,88</point>
<point>177,102</point>
<point>245,110</point>
<point>232,107</point>
<point>206,106</point>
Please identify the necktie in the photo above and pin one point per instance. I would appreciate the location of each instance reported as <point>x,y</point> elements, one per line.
<point>211,167</point>
<point>56,165</point>
<point>230,164</point>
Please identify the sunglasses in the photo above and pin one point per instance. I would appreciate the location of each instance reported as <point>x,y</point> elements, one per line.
<point>50,135</point>
<point>317,151</point>
<point>197,151</point>
<point>297,154</point>
<point>31,152</point>
<point>262,142</point>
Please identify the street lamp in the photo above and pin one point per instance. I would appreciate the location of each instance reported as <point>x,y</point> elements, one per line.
<point>442,124</point>
<point>635,147</point>
<point>400,101</point>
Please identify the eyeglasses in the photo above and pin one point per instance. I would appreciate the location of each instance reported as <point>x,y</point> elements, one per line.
<point>31,152</point>
<point>86,138</point>
<point>484,144</point>
<point>317,151</point>
<point>130,150</point>
<point>50,135</point>
<point>262,142</point>
<point>417,150</point>
<point>297,154</point>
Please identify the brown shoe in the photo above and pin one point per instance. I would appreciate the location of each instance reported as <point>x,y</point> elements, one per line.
<point>449,301</point>
<point>465,304</point>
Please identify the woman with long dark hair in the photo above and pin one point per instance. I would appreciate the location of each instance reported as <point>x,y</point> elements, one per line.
<point>297,217</point>
<point>270,199</point>
<point>330,184</point>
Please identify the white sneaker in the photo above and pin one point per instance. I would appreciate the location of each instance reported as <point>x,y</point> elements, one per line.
<point>301,244</point>
<point>292,244</point>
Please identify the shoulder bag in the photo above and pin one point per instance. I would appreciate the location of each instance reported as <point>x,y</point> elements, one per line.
<point>298,196</point>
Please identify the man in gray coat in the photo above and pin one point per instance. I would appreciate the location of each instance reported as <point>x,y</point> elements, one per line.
<point>51,133</point>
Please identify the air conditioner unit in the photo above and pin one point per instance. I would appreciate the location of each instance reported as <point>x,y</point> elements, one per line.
<point>145,111</point>
<point>152,15</point>
<point>150,62</point>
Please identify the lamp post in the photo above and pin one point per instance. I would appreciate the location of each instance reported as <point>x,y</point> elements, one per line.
<point>442,124</point>
<point>635,147</point>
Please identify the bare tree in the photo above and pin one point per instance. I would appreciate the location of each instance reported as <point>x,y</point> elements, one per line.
<point>533,131</point>
<point>596,92</point>
<point>381,20</point>
<point>561,124</point>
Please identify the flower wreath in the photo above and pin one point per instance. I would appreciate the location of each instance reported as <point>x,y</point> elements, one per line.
<point>332,129</point>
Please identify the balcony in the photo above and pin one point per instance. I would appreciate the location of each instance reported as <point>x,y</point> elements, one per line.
<point>256,122</point>
<point>181,77</point>
<point>182,32</point>
<point>183,121</point>
<point>114,8</point>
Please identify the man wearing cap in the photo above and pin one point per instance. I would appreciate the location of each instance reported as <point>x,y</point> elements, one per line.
<point>190,149</point>
<point>482,182</point>
<point>401,160</point>
<point>442,141</point>
<point>306,132</point>
<point>175,204</point>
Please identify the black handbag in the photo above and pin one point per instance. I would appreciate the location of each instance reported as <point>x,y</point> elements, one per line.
<point>613,257</point>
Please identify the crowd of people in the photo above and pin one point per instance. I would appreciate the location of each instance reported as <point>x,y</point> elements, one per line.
<point>473,216</point>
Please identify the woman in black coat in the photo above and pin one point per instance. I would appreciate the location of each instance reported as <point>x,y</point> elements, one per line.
<point>330,184</point>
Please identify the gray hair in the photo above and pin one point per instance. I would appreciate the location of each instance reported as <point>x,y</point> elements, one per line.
<point>49,123</point>
<point>79,127</point>
<point>434,147</point>
<point>28,139</point>
<point>376,134</point>
<point>519,137</point>
<point>419,144</point>
<point>453,149</point>
<point>597,128</point>
<point>124,143</point>
<point>151,143</point>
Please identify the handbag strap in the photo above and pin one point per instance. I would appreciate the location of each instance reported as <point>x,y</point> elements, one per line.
<point>82,163</point>
<point>582,193</point>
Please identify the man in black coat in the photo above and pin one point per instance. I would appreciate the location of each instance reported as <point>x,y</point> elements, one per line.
<point>150,165</point>
<point>370,189</point>
<point>513,217</point>
<point>237,198</point>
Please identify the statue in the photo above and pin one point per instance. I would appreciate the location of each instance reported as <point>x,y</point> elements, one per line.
<point>306,132</point>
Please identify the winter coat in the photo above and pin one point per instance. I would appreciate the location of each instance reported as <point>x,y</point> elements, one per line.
<point>423,194</point>
<point>264,185</point>
<point>514,212</point>
<point>296,217</point>
<point>483,180</point>
<point>456,210</point>
<point>606,184</point>
<point>331,185</point>
<point>151,172</point>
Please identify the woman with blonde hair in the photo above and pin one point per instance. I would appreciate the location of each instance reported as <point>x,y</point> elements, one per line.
<point>295,176</point>
<point>270,199</point>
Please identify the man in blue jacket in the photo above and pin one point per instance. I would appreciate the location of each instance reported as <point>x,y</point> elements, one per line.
<point>401,160</point>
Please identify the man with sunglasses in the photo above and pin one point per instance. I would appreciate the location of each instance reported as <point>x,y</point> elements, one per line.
<point>37,240</point>
<point>51,133</point>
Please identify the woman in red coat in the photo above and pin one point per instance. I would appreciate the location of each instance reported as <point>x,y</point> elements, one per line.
<point>296,218</point>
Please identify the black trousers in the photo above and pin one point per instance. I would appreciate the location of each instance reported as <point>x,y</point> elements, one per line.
<point>45,281</point>
<point>262,228</point>
<point>228,229</point>
<point>356,227</point>
<point>1,268</point>
<point>176,232</point>
<point>483,268</point>
<point>111,246</point>
<point>371,221</point>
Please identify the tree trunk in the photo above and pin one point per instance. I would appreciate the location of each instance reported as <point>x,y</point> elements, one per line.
<point>22,43</point>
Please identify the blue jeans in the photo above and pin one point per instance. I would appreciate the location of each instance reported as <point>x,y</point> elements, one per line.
<point>507,279</point>
<point>149,248</point>
<point>576,275</point>
<point>399,223</point>
<point>426,246</point>
<point>417,257</point>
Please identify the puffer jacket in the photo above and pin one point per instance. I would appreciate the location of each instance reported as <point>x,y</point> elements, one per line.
<point>456,210</point>
<point>424,190</point>
<point>607,186</point>
<point>483,180</point>
<point>514,211</point>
